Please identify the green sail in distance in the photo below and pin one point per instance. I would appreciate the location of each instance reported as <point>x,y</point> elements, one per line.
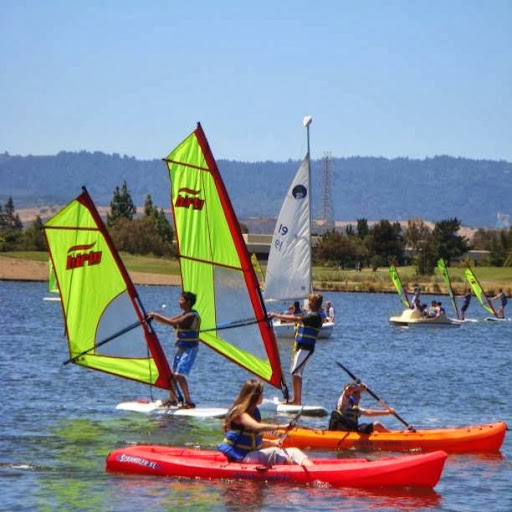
<point>441,265</point>
<point>398,285</point>
<point>479,292</point>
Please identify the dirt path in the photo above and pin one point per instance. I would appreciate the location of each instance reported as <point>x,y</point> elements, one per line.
<point>14,269</point>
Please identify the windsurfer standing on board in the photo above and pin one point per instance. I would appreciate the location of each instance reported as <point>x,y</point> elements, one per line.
<point>306,334</point>
<point>243,440</point>
<point>186,326</point>
<point>503,298</point>
<point>466,299</point>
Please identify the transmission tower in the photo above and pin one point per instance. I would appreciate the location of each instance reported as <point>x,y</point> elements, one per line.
<point>327,213</point>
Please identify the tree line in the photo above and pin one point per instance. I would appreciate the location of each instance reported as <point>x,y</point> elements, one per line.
<point>148,234</point>
<point>358,246</point>
<point>387,243</point>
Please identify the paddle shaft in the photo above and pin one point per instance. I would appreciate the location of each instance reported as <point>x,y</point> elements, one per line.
<point>395,414</point>
<point>292,424</point>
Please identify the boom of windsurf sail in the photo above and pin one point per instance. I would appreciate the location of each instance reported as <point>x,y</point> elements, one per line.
<point>105,321</point>
<point>441,265</point>
<point>399,288</point>
<point>215,263</point>
<point>479,292</point>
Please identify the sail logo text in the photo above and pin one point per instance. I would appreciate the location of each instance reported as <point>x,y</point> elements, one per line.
<point>79,260</point>
<point>189,198</point>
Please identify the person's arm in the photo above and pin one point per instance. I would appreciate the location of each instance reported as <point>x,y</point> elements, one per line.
<point>174,321</point>
<point>283,316</point>
<point>376,412</point>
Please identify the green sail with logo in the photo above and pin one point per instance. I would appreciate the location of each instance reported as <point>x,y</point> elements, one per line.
<point>398,285</point>
<point>479,292</point>
<point>105,321</point>
<point>441,265</point>
<point>215,263</point>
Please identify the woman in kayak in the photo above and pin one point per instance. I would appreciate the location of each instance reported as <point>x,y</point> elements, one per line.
<point>243,440</point>
<point>347,413</point>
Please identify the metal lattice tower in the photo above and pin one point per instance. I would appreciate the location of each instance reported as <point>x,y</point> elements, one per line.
<point>503,221</point>
<point>327,212</point>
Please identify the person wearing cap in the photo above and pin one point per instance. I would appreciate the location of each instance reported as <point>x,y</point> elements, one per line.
<point>347,413</point>
<point>186,325</point>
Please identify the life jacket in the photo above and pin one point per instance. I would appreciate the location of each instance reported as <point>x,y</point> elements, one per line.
<point>306,335</point>
<point>348,407</point>
<point>189,337</point>
<point>238,442</point>
<point>504,300</point>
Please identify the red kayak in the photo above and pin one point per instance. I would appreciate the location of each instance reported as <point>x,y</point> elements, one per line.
<point>405,471</point>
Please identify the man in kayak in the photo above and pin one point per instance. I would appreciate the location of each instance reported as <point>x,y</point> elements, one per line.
<point>347,413</point>
<point>306,334</point>
<point>466,299</point>
<point>186,325</point>
<point>243,440</point>
<point>503,298</point>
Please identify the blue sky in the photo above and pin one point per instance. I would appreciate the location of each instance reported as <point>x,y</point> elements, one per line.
<point>414,78</point>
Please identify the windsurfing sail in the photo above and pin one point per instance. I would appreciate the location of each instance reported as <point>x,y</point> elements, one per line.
<point>105,321</point>
<point>52,281</point>
<point>479,292</point>
<point>399,288</point>
<point>257,267</point>
<point>441,265</point>
<point>215,263</point>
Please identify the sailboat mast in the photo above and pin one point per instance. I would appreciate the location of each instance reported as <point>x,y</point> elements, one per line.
<point>307,122</point>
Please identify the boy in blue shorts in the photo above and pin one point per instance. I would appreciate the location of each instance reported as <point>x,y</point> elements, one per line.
<point>186,327</point>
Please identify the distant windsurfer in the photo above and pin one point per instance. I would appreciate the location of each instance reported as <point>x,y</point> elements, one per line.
<point>503,298</point>
<point>186,326</point>
<point>466,299</point>
<point>306,334</point>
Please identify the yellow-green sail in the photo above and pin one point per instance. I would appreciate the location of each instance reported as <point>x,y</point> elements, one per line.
<point>398,285</point>
<point>479,292</point>
<point>441,265</point>
<point>215,263</point>
<point>105,321</point>
<point>52,281</point>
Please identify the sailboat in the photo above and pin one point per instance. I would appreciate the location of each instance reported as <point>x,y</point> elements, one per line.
<point>481,297</point>
<point>106,325</point>
<point>52,285</point>
<point>289,268</point>
<point>414,317</point>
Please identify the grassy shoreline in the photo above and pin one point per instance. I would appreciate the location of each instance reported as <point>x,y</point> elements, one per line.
<point>325,279</point>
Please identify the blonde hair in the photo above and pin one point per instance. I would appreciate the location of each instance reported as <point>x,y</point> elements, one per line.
<point>245,401</point>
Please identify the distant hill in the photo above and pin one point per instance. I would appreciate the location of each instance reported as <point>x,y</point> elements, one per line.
<point>362,187</point>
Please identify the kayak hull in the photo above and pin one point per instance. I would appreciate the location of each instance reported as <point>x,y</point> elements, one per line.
<point>474,438</point>
<point>408,470</point>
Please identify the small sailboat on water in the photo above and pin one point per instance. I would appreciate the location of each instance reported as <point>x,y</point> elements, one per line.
<point>289,268</point>
<point>414,316</point>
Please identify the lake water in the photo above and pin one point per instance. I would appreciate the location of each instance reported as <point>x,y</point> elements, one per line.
<point>59,423</point>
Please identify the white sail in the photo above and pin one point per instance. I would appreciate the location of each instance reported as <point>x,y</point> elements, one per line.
<point>288,275</point>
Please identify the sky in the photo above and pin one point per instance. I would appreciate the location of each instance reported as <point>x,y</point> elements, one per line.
<point>390,78</point>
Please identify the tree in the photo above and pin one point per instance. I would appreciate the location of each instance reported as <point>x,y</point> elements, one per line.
<point>445,241</point>
<point>9,219</point>
<point>121,206</point>
<point>362,228</point>
<point>34,236</point>
<point>386,241</point>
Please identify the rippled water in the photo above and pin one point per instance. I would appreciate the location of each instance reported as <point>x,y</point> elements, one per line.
<point>59,423</point>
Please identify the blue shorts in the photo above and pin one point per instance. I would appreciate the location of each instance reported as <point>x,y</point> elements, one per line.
<point>184,360</point>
